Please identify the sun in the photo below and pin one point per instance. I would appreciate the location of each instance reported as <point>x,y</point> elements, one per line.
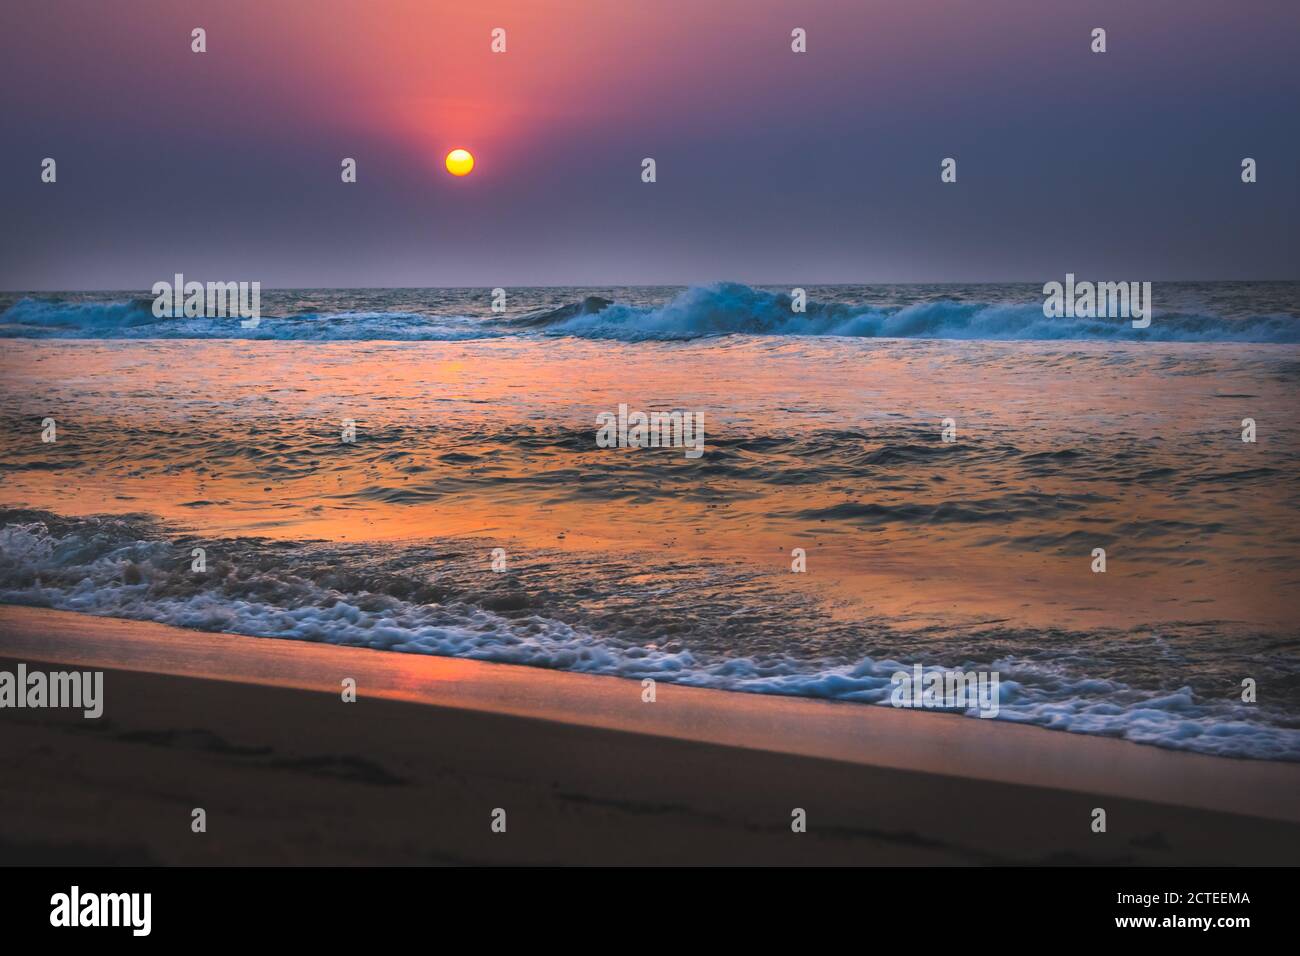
<point>460,162</point>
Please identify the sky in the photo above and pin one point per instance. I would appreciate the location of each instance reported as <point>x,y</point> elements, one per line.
<point>772,167</point>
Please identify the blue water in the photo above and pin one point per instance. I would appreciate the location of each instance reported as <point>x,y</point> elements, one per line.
<point>1262,312</point>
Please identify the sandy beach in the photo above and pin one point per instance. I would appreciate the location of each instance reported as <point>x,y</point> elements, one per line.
<point>255,732</point>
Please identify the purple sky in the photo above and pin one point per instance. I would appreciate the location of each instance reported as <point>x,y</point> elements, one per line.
<point>773,167</point>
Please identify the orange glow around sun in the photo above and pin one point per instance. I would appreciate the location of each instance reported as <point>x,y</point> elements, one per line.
<point>460,162</point>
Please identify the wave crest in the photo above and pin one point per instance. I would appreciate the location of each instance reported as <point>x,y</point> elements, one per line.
<point>733,309</point>
<point>710,311</point>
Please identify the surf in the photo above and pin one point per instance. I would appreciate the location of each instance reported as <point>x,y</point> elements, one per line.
<point>1209,313</point>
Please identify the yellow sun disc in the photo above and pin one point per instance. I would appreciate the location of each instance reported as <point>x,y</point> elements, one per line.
<point>460,162</point>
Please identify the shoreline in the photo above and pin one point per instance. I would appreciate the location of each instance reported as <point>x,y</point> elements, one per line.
<point>254,731</point>
<point>947,744</point>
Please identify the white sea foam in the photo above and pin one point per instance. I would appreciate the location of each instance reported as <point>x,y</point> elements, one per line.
<point>103,567</point>
<point>719,309</point>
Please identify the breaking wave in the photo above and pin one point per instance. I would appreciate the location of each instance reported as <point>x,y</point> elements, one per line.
<point>134,319</point>
<point>733,309</point>
<point>720,309</point>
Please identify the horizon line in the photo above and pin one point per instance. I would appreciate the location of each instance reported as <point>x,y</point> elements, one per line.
<point>640,285</point>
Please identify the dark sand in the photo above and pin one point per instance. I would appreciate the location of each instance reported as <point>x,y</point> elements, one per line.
<point>586,772</point>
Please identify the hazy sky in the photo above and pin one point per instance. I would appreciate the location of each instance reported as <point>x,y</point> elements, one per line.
<point>772,166</point>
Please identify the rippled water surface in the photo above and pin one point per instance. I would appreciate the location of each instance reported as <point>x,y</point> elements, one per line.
<point>642,562</point>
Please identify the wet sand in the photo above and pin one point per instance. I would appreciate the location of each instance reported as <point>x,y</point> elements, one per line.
<point>255,732</point>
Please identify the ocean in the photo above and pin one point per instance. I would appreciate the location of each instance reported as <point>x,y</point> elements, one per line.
<point>942,460</point>
<point>1188,311</point>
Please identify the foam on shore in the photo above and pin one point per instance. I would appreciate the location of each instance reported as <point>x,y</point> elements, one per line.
<point>927,743</point>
